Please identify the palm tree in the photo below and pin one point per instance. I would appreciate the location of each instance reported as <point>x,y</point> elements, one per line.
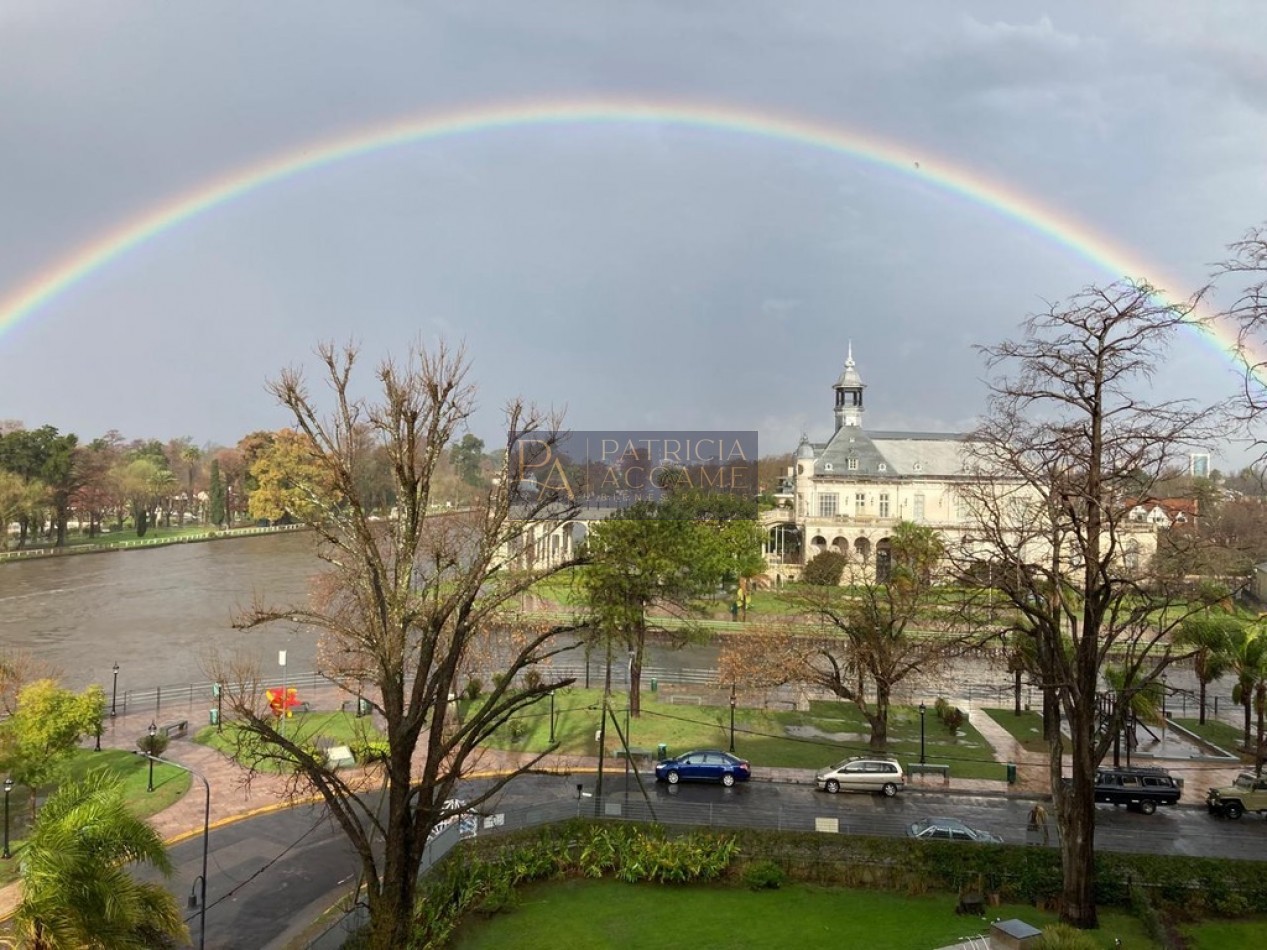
<point>77,889</point>
<point>1136,702</point>
<point>1209,636</point>
<point>1247,661</point>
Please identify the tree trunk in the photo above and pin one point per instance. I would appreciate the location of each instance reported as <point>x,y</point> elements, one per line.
<point>879,720</point>
<point>637,648</point>
<point>1051,715</point>
<point>1016,691</point>
<point>1076,812</point>
<point>1245,702</point>
<point>1260,700</point>
<point>1201,703</point>
<point>392,902</point>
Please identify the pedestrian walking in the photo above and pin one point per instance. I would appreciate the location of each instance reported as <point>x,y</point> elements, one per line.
<point>1038,821</point>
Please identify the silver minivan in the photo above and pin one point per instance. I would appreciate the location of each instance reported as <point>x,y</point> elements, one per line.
<point>864,774</point>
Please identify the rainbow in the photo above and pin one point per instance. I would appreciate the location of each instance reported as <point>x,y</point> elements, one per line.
<point>1060,228</point>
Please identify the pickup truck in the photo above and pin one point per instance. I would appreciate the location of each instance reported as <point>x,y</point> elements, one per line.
<point>1247,793</point>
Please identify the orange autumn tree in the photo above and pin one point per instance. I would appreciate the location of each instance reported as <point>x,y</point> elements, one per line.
<point>290,479</point>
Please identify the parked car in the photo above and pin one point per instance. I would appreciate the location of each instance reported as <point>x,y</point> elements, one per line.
<point>707,765</point>
<point>863,774</point>
<point>1247,793</point>
<point>1139,789</point>
<point>950,829</point>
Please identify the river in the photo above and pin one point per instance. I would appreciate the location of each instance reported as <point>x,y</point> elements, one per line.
<point>160,612</point>
<point>157,612</point>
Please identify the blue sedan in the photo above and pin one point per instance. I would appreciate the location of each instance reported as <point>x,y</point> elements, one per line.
<point>709,765</point>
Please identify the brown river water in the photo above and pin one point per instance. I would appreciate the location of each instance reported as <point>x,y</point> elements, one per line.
<point>157,611</point>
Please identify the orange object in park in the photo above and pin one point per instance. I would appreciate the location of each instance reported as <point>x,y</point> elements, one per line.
<point>276,703</point>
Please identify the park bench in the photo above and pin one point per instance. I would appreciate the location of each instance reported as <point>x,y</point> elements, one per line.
<point>635,753</point>
<point>176,729</point>
<point>924,768</point>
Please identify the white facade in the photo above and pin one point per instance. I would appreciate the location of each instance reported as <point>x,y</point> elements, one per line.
<point>850,492</point>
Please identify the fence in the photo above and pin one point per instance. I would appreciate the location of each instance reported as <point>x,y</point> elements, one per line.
<point>26,553</point>
<point>178,696</point>
<point>188,697</point>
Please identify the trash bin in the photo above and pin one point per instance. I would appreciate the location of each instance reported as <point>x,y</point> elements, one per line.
<point>655,684</point>
<point>362,707</point>
<point>215,717</point>
<point>1011,773</point>
<point>662,751</point>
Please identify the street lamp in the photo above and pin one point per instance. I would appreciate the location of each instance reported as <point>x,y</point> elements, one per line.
<point>281,661</point>
<point>114,692</point>
<point>732,717</point>
<point>551,717</point>
<point>149,752</point>
<point>8,787</point>
<point>1163,711</point>
<point>194,901</point>
<point>922,710</point>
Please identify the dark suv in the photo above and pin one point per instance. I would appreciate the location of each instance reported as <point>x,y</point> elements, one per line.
<point>1139,789</point>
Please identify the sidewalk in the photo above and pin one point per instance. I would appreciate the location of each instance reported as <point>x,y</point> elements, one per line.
<point>230,798</point>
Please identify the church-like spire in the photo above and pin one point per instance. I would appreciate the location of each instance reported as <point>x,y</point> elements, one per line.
<point>849,389</point>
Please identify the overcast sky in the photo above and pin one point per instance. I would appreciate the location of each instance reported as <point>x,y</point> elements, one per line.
<point>640,276</point>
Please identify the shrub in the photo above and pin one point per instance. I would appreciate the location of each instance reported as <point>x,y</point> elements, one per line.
<point>532,679</point>
<point>825,570</point>
<point>474,687</point>
<point>764,876</point>
<point>153,744</point>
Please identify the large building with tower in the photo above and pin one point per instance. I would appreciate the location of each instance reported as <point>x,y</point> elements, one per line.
<point>848,494</point>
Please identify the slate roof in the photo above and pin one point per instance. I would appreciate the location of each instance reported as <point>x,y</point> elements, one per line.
<point>902,454</point>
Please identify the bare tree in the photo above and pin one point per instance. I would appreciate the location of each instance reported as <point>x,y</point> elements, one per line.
<point>1248,313</point>
<point>1072,435</point>
<point>873,634</point>
<point>408,600</point>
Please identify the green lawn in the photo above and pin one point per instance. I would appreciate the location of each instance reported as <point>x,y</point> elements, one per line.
<point>339,728</point>
<point>1226,934</point>
<point>170,784</point>
<point>1027,728</point>
<point>829,732</point>
<point>590,915</point>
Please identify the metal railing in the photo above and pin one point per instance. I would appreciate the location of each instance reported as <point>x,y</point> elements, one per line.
<point>176,696</point>
<point>130,543</point>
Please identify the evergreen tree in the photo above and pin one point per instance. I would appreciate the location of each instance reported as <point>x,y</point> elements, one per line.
<point>216,491</point>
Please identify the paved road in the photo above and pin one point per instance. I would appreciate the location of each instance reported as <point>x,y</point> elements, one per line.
<point>271,875</point>
<point>1182,830</point>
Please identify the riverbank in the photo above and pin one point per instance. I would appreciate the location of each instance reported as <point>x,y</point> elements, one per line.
<point>132,544</point>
